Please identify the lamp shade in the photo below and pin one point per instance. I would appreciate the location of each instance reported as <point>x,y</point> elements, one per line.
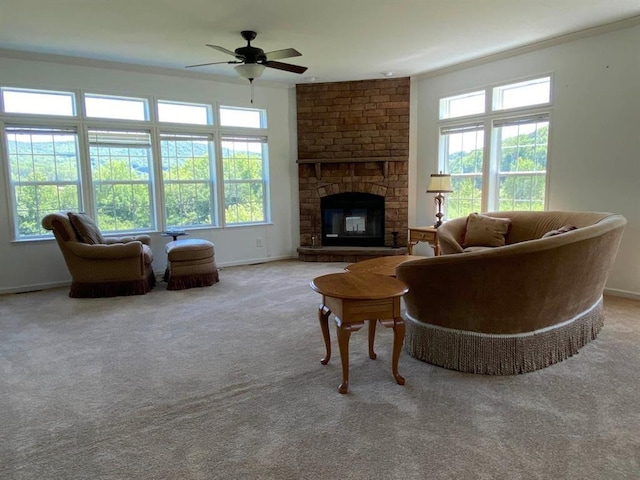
<point>440,182</point>
<point>250,70</point>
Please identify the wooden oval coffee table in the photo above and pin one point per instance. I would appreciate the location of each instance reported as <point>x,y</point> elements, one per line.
<point>381,265</point>
<point>354,298</point>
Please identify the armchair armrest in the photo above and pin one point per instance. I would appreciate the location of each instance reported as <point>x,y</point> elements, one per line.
<point>146,239</point>
<point>106,252</point>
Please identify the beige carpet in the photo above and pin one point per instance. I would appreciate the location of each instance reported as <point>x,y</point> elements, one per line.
<point>225,383</point>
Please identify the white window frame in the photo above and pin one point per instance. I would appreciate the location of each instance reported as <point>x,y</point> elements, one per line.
<point>143,100</point>
<point>151,124</point>
<point>490,172</point>
<point>149,182</point>
<point>211,182</point>
<point>264,181</point>
<point>208,108</point>
<point>44,126</point>
<point>56,92</point>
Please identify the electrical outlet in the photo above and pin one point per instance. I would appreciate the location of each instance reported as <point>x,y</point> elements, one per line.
<point>258,242</point>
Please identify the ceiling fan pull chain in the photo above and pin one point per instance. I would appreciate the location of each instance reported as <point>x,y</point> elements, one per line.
<point>251,83</point>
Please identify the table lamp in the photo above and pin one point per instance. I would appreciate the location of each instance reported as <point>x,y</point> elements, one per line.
<point>440,183</point>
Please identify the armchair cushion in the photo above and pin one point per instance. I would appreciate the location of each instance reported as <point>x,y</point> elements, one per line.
<point>86,229</point>
<point>485,231</point>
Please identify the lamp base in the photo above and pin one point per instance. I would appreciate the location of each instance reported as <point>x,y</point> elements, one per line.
<point>439,216</point>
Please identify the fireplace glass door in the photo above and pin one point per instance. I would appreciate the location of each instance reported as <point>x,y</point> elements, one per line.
<point>353,220</point>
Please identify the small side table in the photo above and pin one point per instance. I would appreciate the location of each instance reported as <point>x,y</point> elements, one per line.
<point>174,233</point>
<point>423,234</point>
<point>354,298</point>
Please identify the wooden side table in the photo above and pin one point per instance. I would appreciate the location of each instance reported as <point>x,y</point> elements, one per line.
<point>354,298</point>
<point>423,234</point>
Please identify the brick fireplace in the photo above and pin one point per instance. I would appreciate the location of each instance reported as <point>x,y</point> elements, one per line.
<point>353,137</point>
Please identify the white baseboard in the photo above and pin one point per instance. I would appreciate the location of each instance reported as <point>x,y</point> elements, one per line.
<point>34,288</point>
<point>44,286</point>
<point>256,260</point>
<point>49,285</point>
<point>614,292</point>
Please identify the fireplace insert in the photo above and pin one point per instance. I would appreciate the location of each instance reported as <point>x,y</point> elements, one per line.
<point>352,219</point>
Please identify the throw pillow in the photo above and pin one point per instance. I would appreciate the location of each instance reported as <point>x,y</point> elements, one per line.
<point>86,229</point>
<point>485,231</point>
<point>559,231</point>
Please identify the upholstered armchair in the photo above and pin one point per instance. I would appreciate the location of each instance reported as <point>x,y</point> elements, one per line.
<point>101,266</point>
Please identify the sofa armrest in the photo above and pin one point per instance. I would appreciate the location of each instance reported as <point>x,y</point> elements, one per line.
<point>106,252</point>
<point>451,235</point>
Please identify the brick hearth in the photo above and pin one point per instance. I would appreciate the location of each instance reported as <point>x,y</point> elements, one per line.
<point>353,137</point>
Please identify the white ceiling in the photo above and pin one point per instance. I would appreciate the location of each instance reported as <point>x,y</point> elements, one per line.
<point>339,39</point>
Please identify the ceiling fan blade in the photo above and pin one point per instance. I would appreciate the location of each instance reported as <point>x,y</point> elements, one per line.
<point>285,66</point>
<point>210,63</point>
<point>225,50</point>
<point>284,53</point>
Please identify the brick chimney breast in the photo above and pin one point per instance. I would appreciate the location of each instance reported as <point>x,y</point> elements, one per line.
<point>353,136</point>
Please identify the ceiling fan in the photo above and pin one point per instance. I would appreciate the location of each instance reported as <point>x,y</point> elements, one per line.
<point>253,60</point>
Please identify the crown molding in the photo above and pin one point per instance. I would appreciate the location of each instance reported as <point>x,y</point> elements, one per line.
<point>128,67</point>
<point>535,46</point>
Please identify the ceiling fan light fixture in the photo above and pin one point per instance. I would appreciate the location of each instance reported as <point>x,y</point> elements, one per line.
<point>250,71</point>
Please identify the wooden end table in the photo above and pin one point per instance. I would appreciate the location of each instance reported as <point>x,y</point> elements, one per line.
<point>354,298</point>
<point>423,234</point>
<point>381,265</point>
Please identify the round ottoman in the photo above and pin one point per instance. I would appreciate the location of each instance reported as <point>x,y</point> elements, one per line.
<point>190,263</point>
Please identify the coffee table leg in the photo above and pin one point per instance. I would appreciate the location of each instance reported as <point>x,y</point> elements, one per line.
<point>323,318</point>
<point>372,336</point>
<point>343,344</point>
<point>398,339</point>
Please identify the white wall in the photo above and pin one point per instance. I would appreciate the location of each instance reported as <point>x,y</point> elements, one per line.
<point>31,265</point>
<point>594,141</point>
<point>594,159</point>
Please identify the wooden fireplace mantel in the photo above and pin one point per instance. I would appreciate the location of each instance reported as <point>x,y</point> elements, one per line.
<point>317,162</point>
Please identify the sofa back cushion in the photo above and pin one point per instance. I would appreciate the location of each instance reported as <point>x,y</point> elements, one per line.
<point>86,229</point>
<point>559,231</point>
<point>485,231</point>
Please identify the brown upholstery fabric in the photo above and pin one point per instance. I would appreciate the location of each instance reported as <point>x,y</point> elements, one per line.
<point>485,231</point>
<point>190,263</point>
<point>559,231</point>
<point>530,284</point>
<point>86,229</point>
<point>116,267</point>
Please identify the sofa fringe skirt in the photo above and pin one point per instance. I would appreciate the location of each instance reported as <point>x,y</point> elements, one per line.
<point>492,354</point>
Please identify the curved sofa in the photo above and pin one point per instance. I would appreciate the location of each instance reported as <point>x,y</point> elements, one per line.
<point>516,308</point>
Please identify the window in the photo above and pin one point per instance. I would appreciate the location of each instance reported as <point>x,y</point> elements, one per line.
<point>131,167</point>
<point>521,155</point>
<point>462,105</point>
<point>244,163</point>
<point>523,94</point>
<point>463,149</point>
<point>243,117</point>
<point>188,179</point>
<point>43,173</point>
<point>193,114</point>
<point>41,102</point>
<point>496,162</point>
<point>121,175</point>
<point>121,108</point>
